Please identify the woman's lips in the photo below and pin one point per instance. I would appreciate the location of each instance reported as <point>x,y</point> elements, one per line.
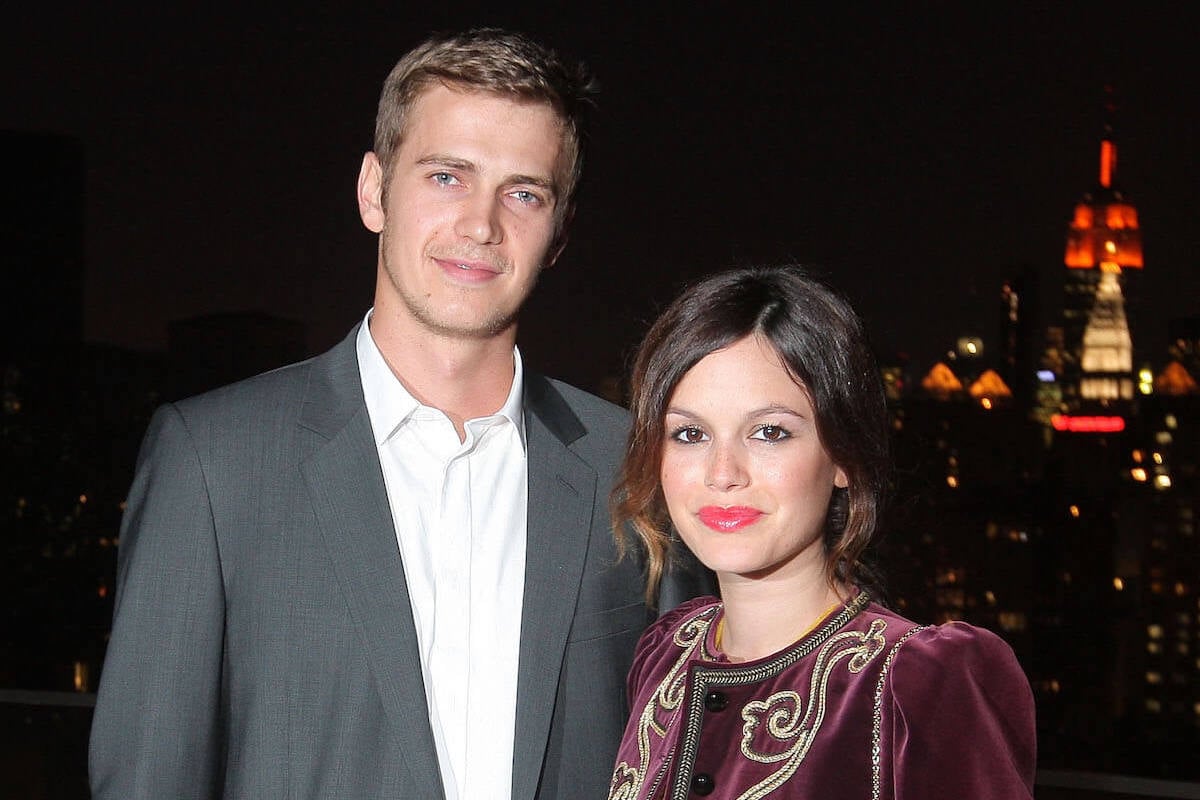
<point>731,518</point>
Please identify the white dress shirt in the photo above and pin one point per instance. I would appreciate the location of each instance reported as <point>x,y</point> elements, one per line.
<point>459,510</point>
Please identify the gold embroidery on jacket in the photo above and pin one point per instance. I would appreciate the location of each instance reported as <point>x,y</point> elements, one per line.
<point>877,714</point>
<point>704,678</point>
<point>781,729</point>
<point>656,716</point>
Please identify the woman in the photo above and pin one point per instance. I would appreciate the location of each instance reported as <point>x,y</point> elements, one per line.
<point>760,437</point>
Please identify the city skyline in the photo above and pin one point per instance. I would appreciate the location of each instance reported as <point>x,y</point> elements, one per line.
<point>918,161</point>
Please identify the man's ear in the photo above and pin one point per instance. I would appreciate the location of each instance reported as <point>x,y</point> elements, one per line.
<point>370,193</point>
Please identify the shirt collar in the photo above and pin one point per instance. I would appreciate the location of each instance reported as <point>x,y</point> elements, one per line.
<point>389,403</point>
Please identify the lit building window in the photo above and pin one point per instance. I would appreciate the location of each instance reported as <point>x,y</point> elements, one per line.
<point>1170,421</point>
<point>1153,706</point>
<point>1154,648</point>
<point>1118,584</point>
<point>1137,456</point>
<point>1074,509</point>
<point>1158,459</point>
<point>1012,621</point>
<point>1162,482</point>
<point>82,684</point>
<point>952,481</point>
<point>1138,474</point>
<point>1154,631</point>
<point>1153,678</point>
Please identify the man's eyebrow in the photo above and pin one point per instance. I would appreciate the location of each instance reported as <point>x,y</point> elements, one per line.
<point>451,162</point>
<point>463,165</point>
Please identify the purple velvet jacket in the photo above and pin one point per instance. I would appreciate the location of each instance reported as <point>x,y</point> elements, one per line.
<point>867,705</point>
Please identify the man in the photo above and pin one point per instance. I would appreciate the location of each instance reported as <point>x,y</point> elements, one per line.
<point>387,572</point>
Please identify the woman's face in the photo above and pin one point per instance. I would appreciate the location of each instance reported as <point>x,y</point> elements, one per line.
<point>745,477</point>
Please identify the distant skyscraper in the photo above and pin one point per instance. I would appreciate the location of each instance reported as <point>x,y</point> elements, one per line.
<point>1103,256</point>
<point>1106,364</point>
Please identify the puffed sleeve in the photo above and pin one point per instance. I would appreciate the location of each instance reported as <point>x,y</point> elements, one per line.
<point>961,721</point>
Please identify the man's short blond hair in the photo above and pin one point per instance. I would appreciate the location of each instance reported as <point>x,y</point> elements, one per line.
<point>496,61</point>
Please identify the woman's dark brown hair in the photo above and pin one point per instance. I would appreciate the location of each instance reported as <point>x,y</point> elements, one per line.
<point>822,344</point>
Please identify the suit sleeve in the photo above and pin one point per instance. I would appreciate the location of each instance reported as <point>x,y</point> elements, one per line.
<point>962,717</point>
<point>157,730</point>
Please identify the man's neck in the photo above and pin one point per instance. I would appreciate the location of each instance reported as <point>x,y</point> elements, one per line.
<point>462,377</point>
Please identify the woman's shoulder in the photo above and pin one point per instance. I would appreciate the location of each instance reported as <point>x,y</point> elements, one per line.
<point>661,645</point>
<point>687,612</point>
<point>957,690</point>
<point>956,657</point>
<point>959,642</point>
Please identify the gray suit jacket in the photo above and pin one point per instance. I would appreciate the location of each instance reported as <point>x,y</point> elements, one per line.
<point>263,643</point>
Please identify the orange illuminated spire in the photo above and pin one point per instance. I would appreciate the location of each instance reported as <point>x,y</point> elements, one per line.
<point>1103,232</point>
<point>1108,148</point>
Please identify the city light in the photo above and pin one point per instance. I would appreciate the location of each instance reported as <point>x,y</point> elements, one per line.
<point>1073,424</point>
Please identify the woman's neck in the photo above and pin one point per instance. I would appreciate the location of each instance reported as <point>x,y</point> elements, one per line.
<point>763,617</point>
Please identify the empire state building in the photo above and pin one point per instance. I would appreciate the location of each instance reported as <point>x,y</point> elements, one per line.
<point>1103,263</point>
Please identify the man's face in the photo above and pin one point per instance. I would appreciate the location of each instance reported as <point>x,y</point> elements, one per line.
<point>469,219</point>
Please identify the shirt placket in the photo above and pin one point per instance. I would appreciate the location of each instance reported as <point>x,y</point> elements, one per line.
<point>453,609</point>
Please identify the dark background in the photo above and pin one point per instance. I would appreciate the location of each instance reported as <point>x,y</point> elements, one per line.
<point>916,156</point>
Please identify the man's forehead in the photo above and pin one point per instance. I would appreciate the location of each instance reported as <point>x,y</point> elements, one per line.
<point>444,95</point>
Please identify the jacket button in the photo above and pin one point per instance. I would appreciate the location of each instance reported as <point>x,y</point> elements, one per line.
<point>703,784</point>
<point>715,701</point>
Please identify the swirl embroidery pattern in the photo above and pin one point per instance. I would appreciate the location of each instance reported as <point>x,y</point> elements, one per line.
<point>780,729</point>
<point>660,712</point>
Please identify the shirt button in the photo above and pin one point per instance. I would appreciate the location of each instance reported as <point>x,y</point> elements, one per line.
<point>703,784</point>
<point>715,701</point>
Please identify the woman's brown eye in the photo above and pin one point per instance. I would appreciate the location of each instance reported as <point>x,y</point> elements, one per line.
<point>771,433</point>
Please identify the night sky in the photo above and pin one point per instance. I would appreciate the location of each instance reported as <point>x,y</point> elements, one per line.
<point>916,159</point>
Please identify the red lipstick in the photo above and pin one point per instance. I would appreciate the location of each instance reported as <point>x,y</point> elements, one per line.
<point>731,518</point>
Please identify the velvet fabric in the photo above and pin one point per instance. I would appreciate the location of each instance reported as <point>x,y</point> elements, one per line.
<point>867,705</point>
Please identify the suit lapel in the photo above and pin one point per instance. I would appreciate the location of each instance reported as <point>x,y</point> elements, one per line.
<point>350,502</point>
<point>562,493</point>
